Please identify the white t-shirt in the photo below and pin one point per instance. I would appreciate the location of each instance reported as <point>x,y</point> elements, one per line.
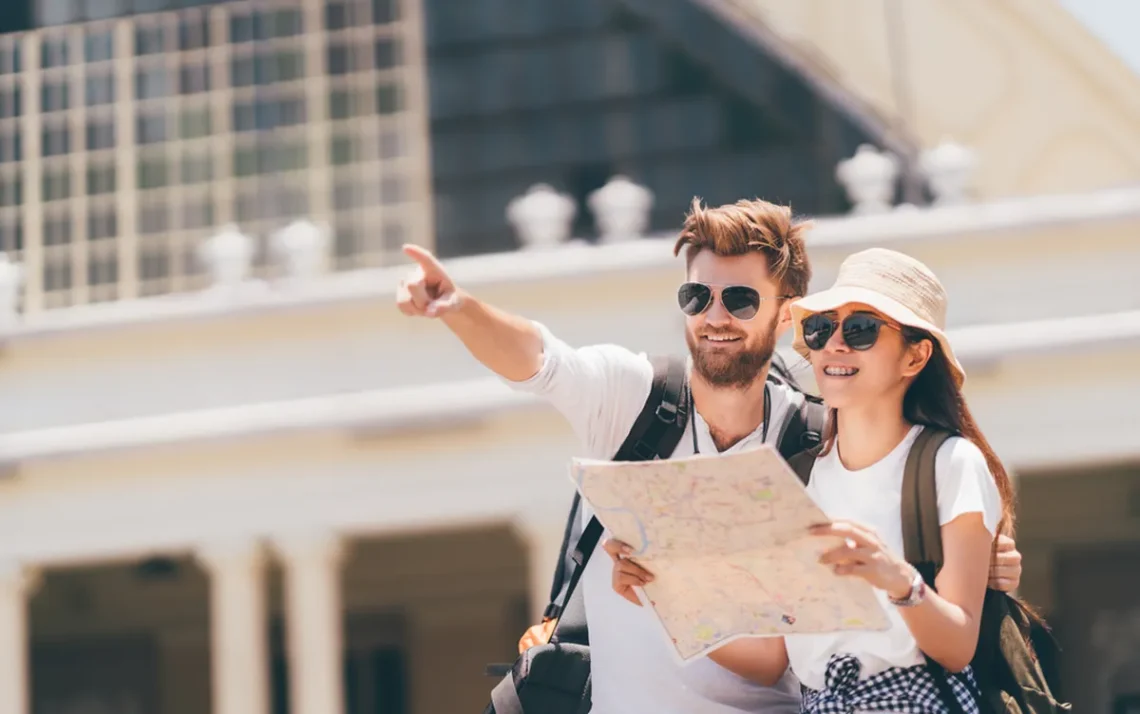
<point>600,390</point>
<point>873,497</point>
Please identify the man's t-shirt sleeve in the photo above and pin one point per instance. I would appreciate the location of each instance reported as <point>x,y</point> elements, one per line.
<point>599,389</point>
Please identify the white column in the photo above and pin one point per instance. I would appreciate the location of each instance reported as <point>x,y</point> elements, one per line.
<point>314,621</point>
<point>16,583</point>
<point>238,627</point>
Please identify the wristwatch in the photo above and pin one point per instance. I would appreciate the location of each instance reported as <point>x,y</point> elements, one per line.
<point>916,595</point>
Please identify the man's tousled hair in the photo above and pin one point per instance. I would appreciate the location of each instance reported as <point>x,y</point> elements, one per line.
<point>747,226</point>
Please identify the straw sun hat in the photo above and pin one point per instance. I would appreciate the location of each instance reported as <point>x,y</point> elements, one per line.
<point>895,285</point>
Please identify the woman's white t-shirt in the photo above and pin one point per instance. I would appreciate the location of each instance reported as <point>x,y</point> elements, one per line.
<point>873,497</point>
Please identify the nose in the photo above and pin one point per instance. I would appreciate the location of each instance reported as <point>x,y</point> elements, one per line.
<point>716,314</point>
<point>836,343</point>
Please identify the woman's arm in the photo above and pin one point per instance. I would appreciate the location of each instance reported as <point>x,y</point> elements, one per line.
<point>945,624</point>
<point>762,660</point>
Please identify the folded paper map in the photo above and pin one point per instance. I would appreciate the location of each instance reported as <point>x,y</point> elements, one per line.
<point>726,538</point>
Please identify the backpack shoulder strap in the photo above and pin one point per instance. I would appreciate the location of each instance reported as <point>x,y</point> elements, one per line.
<point>922,533</point>
<point>803,462</point>
<point>654,434</point>
<point>664,416</point>
<point>802,428</point>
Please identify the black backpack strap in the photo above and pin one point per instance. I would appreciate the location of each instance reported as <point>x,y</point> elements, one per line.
<point>802,428</point>
<point>654,434</point>
<point>922,533</point>
<point>658,428</point>
<point>803,462</point>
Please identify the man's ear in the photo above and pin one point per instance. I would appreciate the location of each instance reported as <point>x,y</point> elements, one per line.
<point>917,355</point>
<point>784,321</point>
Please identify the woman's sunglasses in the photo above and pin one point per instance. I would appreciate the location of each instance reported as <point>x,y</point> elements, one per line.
<point>740,301</point>
<point>860,330</point>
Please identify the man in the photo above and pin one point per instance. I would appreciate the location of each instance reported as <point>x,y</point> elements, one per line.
<point>745,262</point>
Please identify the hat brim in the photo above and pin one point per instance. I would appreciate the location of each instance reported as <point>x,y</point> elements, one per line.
<point>837,297</point>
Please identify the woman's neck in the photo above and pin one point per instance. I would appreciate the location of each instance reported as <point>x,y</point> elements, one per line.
<point>867,434</point>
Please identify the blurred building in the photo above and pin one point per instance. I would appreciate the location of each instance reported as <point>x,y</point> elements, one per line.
<point>235,480</point>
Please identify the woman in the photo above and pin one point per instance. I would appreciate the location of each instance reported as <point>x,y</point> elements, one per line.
<point>885,368</point>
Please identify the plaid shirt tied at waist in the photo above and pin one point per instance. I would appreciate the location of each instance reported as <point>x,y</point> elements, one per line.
<point>899,690</point>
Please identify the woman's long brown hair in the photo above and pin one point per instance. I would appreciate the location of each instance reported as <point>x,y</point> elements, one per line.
<point>935,400</point>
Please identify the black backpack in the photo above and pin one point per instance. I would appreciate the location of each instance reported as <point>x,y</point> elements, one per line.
<point>555,678</point>
<point>1011,677</point>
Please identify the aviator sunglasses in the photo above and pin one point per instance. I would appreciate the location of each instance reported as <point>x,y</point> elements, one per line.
<point>860,330</point>
<point>740,301</point>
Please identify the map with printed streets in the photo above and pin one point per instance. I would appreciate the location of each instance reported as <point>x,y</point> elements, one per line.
<point>726,538</point>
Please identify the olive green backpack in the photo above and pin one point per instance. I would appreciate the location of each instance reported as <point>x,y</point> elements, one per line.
<point>1010,675</point>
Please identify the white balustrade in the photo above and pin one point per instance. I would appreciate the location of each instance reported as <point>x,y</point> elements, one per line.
<point>621,209</point>
<point>949,168</point>
<point>228,257</point>
<point>869,179</point>
<point>542,217</point>
<point>302,246</point>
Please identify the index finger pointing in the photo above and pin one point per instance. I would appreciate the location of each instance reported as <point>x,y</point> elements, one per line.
<point>424,258</point>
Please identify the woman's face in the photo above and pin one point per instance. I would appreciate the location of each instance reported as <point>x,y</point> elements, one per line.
<point>859,356</point>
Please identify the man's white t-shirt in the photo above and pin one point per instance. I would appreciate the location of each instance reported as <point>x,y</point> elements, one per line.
<point>601,390</point>
<point>873,497</point>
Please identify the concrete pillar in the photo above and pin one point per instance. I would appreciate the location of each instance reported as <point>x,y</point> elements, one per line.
<point>16,584</point>
<point>239,637</point>
<point>314,621</point>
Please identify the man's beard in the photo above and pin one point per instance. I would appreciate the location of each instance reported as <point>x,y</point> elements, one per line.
<point>732,370</point>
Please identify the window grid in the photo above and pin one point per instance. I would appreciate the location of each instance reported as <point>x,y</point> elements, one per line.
<point>150,135</point>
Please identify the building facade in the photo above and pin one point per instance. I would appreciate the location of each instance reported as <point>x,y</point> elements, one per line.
<point>235,480</point>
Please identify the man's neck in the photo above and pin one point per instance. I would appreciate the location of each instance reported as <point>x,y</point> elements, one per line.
<point>732,413</point>
<point>868,434</point>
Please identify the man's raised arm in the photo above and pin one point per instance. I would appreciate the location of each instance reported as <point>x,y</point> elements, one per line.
<point>509,345</point>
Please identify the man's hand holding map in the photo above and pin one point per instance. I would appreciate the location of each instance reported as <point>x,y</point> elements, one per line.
<point>726,538</point>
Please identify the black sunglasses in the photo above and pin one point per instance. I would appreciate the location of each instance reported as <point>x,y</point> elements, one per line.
<point>860,330</point>
<point>740,301</point>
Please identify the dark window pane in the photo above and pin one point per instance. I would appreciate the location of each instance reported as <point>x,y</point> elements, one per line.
<point>100,134</point>
<point>194,32</point>
<point>241,29</point>
<point>55,141</point>
<point>387,54</point>
<point>241,72</point>
<point>387,99</point>
<point>337,60</point>
<point>385,11</point>
<point>150,129</point>
<point>151,83</point>
<point>194,79</point>
<point>99,46</point>
<point>336,16</point>
<point>100,89</point>
<point>100,180</point>
<point>53,52</point>
<point>149,40</point>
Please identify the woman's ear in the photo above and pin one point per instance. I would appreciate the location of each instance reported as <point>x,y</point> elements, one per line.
<point>916,356</point>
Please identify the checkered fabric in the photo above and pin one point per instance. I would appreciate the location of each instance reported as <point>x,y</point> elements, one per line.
<point>899,690</point>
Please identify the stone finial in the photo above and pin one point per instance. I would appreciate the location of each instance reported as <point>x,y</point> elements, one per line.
<point>228,256</point>
<point>302,247</point>
<point>869,178</point>
<point>11,280</point>
<point>949,168</point>
<point>542,217</point>
<point>621,209</point>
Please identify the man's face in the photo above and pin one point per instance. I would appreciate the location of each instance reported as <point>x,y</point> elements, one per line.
<point>728,351</point>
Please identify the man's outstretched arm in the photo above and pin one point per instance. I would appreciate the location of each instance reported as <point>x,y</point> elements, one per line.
<point>509,345</point>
